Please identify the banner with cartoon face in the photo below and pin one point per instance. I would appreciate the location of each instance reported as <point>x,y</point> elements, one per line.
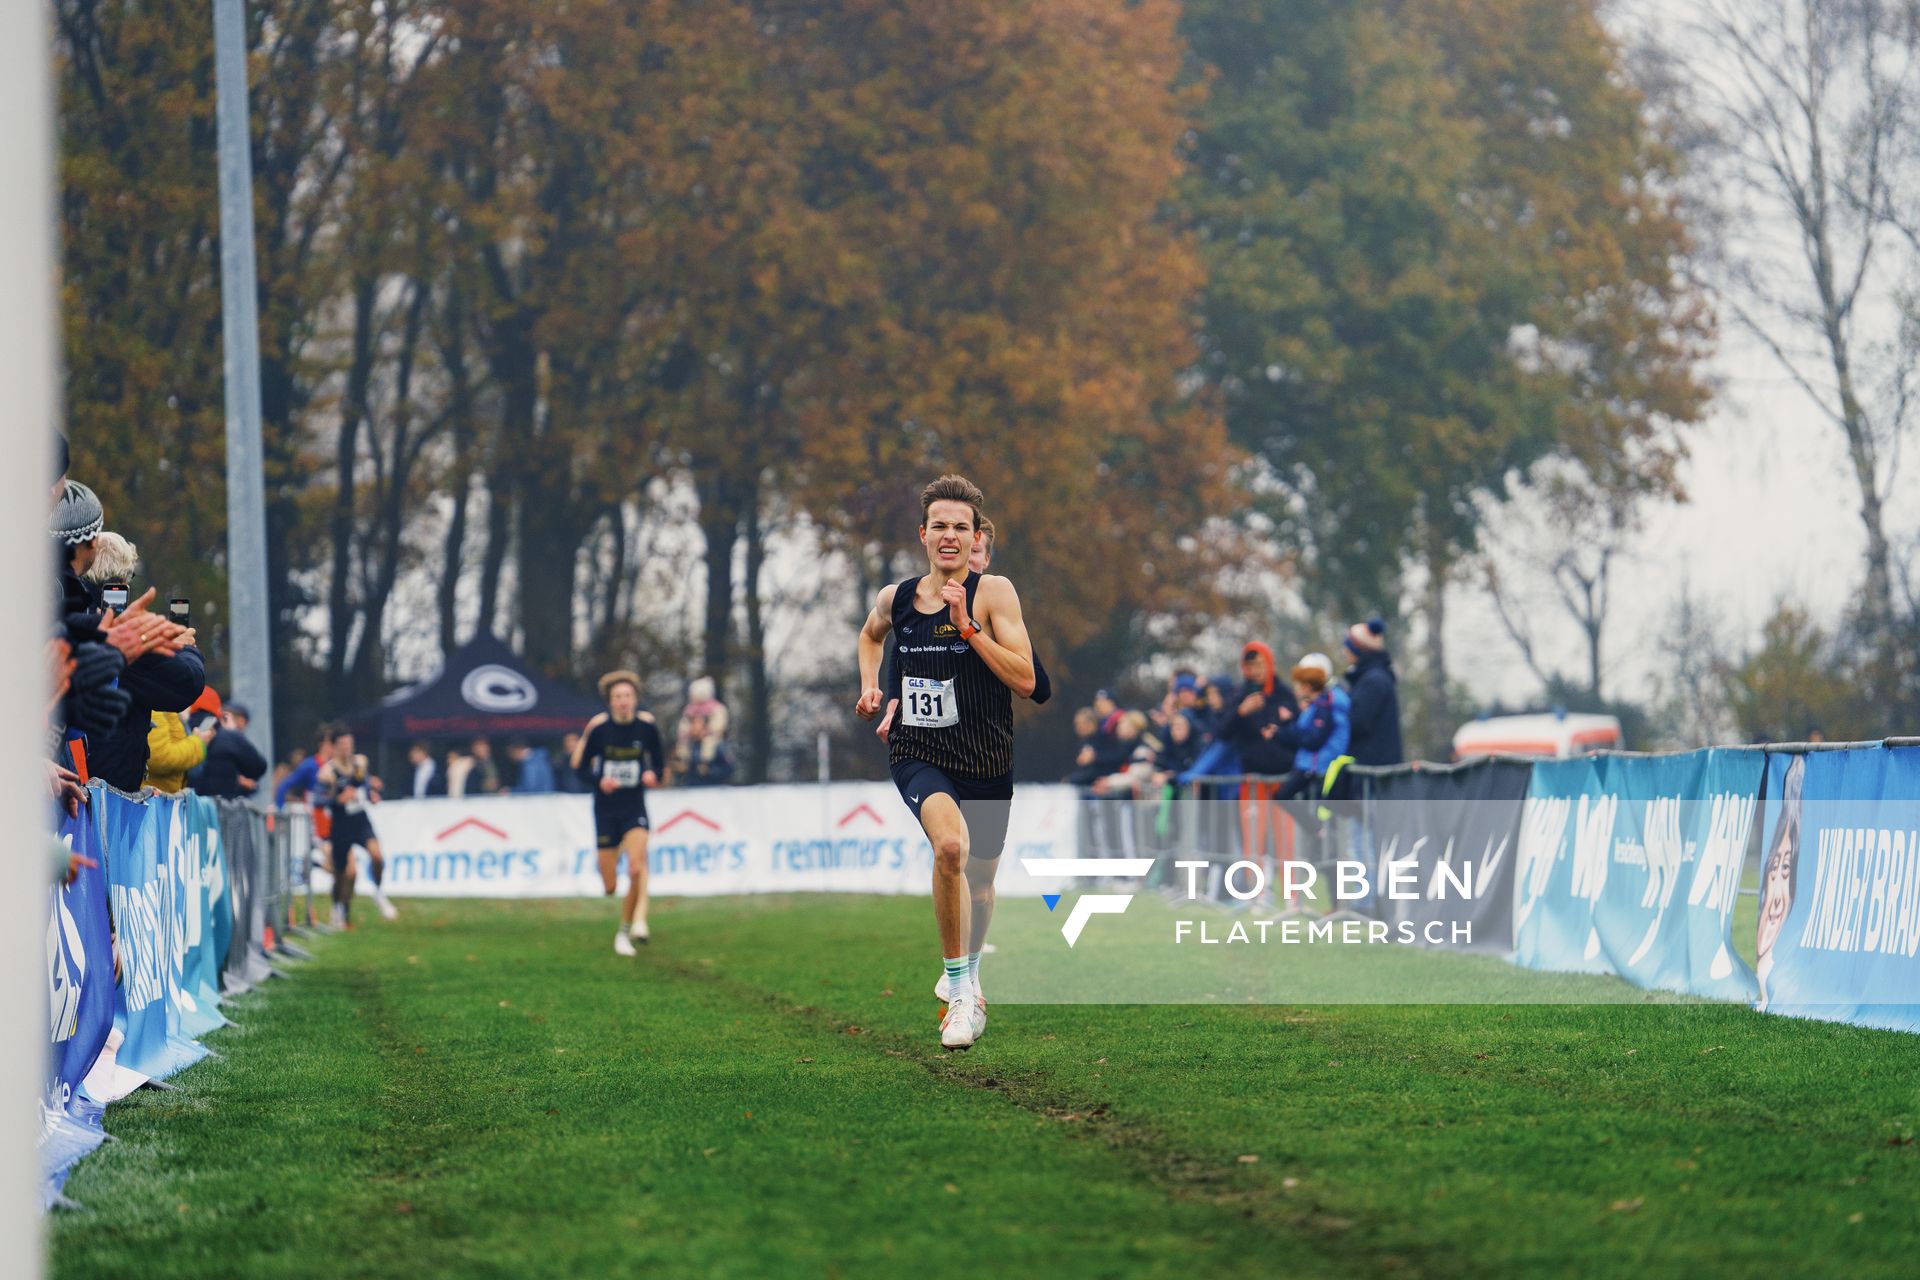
<point>1838,935</point>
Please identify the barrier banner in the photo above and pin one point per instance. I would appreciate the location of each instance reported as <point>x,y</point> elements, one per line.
<point>79,1004</point>
<point>145,905</point>
<point>1566,827</point>
<point>1839,926</point>
<point>1453,827</point>
<point>847,837</point>
<point>1654,851</point>
<point>79,964</point>
<point>1664,914</point>
<point>245,845</point>
<point>196,1006</point>
<point>219,935</point>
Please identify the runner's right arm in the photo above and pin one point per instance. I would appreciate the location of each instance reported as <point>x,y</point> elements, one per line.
<point>872,635</point>
<point>655,761</point>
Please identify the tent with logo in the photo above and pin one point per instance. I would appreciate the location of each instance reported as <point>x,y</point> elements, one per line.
<point>483,690</point>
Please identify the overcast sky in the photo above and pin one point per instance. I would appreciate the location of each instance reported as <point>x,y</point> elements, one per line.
<point>1774,514</point>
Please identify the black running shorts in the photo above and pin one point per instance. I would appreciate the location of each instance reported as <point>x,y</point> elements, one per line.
<point>985,803</point>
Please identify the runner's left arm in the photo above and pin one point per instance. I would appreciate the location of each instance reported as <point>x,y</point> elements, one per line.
<point>655,753</point>
<point>1003,643</point>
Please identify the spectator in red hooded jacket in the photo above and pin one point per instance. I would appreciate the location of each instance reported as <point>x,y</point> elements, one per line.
<point>1261,727</point>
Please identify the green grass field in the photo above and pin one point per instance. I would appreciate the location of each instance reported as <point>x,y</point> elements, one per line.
<point>484,1089</point>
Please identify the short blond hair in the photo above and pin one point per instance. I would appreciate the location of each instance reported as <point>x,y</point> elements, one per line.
<point>114,559</point>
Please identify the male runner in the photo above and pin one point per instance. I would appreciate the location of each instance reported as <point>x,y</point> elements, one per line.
<point>344,783</point>
<point>890,668</point>
<point>619,758</point>
<point>1042,690</point>
<point>963,653</point>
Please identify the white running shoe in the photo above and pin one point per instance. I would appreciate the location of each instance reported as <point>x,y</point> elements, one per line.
<point>337,918</point>
<point>639,932</point>
<point>940,988</point>
<point>623,945</point>
<point>387,910</point>
<point>961,1027</point>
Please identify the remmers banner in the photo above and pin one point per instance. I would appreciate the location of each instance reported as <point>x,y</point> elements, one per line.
<point>1454,826</point>
<point>1637,865</point>
<point>1839,926</point>
<point>844,837</point>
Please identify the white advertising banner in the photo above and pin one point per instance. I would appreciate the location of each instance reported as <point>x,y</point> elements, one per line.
<point>841,837</point>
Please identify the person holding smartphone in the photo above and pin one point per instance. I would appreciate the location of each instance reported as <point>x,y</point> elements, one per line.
<point>164,670</point>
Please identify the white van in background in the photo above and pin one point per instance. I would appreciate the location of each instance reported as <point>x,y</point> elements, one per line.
<point>1555,734</point>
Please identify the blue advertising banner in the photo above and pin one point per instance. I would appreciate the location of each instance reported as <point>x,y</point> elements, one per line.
<point>1566,827</point>
<point>1839,926</point>
<point>146,924</point>
<point>216,928</point>
<point>195,1012</point>
<point>79,964</point>
<point>1631,866</point>
<point>1665,907</point>
<point>79,1005</point>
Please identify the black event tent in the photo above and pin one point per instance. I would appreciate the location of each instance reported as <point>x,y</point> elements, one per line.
<point>484,690</point>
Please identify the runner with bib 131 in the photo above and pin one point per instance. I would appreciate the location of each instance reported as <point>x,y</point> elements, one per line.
<point>963,654</point>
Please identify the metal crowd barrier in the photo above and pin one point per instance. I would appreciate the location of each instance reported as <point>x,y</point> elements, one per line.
<point>1219,820</point>
<point>269,860</point>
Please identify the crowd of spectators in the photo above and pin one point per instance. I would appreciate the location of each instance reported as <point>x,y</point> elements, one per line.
<point>1298,727</point>
<point>130,704</point>
<point>702,757</point>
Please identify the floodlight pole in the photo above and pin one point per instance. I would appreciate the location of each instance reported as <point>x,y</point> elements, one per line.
<point>247,600</point>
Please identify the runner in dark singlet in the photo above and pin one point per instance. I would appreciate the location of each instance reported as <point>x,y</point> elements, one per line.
<point>347,788</point>
<point>979,562</point>
<point>618,758</point>
<point>963,653</point>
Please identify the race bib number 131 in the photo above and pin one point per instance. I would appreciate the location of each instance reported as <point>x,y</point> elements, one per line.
<point>928,704</point>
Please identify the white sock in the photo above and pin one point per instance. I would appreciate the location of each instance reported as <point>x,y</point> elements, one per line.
<point>959,974</point>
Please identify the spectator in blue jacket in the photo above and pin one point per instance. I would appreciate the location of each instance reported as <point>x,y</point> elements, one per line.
<point>1323,729</point>
<point>1375,694</point>
<point>1218,758</point>
<point>300,783</point>
<point>1320,735</point>
<point>536,769</point>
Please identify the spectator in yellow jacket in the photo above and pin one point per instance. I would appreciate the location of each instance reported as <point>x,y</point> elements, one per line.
<point>172,752</point>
